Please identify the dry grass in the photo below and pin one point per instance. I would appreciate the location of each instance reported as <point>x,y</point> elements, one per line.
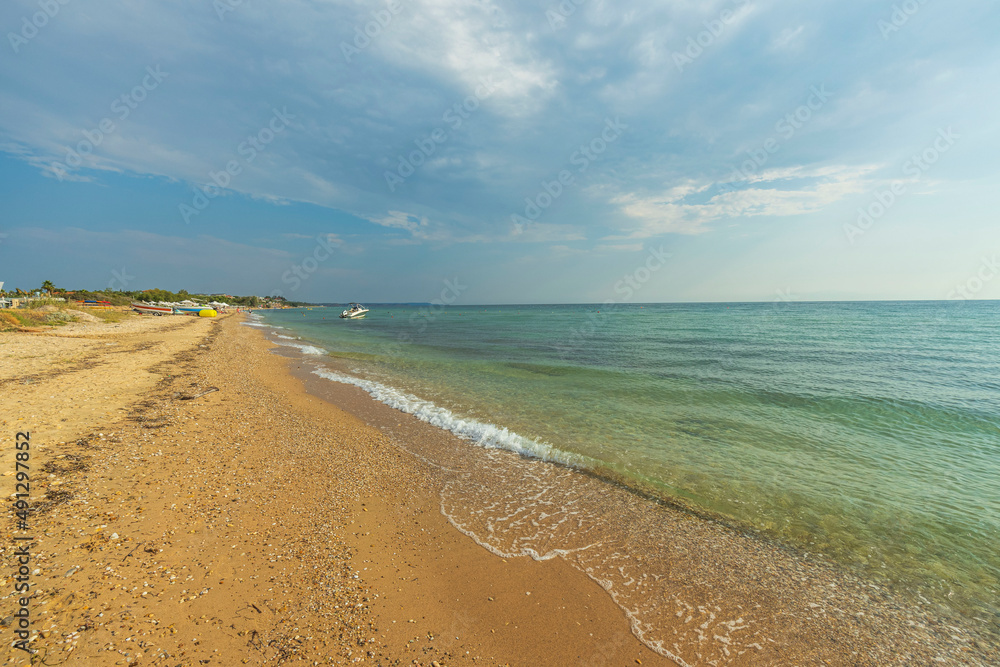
<point>49,315</point>
<point>54,314</point>
<point>109,316</point>
<point>29,319</point>
<point>8,322</point>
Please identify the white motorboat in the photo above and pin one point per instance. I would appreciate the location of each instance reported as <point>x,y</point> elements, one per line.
<point>354,312</point>
<point>152,309</point>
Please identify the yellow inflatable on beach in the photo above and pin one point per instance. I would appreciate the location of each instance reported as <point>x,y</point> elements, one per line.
<point>208,312</point>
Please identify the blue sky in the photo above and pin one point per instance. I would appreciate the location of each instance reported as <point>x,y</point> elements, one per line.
<point>527,151</point>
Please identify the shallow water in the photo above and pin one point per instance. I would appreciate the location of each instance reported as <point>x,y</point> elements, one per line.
<point>865,432</point>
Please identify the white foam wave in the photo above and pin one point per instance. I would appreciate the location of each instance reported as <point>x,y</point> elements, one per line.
<point>307,349</point>
<point>484,435</point>
<point>524,551</point>
<point>490,436</point>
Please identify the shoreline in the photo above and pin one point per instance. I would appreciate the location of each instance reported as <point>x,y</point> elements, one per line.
<point>880,626</point>
<point>221,529</point>
<point>484,607</point>
<point>285,517</point>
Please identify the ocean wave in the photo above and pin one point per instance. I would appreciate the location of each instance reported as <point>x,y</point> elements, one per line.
<point>307,349</point>
<point>479,433</point>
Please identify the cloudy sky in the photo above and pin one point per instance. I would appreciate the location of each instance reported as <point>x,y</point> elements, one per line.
<point>531,151</point>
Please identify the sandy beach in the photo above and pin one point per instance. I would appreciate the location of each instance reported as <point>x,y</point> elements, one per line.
<point>198,495</point>
<point>491,333</point>
<point>253,524</point>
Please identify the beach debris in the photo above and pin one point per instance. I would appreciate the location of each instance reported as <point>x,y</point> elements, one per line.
<point>207,391</point>
<point>304,566</point>
<point>131,552</point>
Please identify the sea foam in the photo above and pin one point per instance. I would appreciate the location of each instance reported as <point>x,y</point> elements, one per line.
<point>479,433</point>
<point>306,349</point>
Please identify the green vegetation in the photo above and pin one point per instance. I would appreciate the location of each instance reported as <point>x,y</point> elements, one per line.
<point>50,310</point>
<point>108,316</point>
<point>122,298</point>
<point>52,313</point>
<point>164,295</point>
<point>8,322</point>
<point>114,298</point>
<point>18,318</point>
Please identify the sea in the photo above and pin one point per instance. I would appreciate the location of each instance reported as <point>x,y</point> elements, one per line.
<point>867,433</point>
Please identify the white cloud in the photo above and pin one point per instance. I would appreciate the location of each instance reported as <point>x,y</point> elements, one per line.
<point>772,193</point>
<point>353,119</point>
<point>401,220</point>
<point>320,188</point>
<point>561,251</point>
<point>471,43</point>
<point>621,247</point>
<point>538,232</point>
<point>788,39</point>
<point>419,227</point>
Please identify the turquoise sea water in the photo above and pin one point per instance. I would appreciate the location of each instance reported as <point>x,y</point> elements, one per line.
<point>866,432</point>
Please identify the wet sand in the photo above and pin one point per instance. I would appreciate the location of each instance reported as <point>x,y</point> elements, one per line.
<point>253,524</point>
<point>695,589</point>
<point>282,517</point>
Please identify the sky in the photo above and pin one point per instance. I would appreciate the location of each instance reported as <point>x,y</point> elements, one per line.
<point>503,152</point>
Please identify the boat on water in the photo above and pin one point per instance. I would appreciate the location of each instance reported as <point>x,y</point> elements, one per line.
<point>354,312</point>
<point>152,310</point>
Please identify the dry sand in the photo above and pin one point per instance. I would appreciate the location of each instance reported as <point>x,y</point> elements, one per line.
<point>253,524</point>
<point>266,522</point>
